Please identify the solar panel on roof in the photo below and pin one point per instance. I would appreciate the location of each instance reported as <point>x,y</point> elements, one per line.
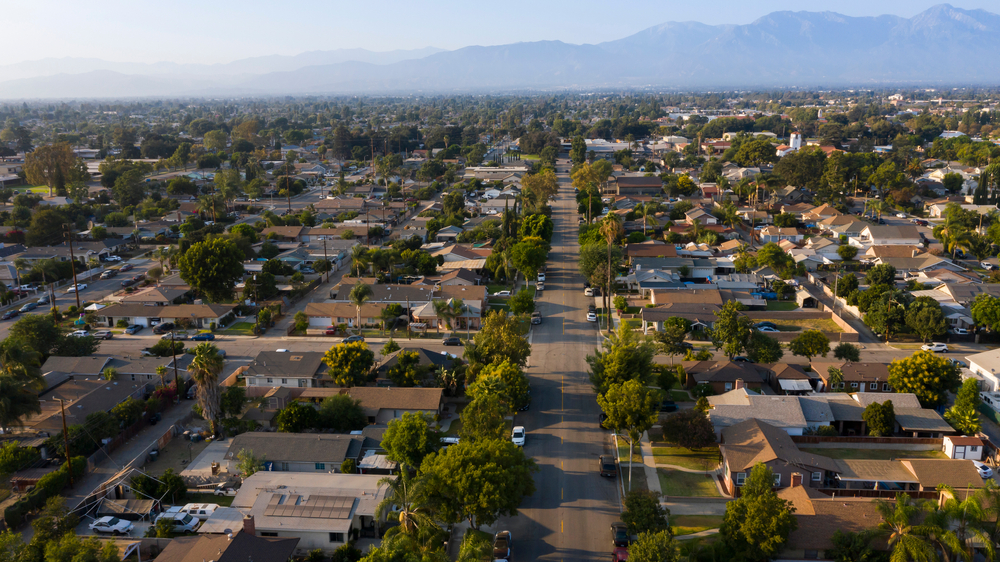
<point>313,507</point>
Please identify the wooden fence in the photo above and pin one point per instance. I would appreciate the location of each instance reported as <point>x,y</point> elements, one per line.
<point>880,440</point>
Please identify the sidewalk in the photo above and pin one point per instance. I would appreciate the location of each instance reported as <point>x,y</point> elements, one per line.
<point>649,464</point>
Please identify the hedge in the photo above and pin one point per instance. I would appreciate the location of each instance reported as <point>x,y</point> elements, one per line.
<point>51,484</point>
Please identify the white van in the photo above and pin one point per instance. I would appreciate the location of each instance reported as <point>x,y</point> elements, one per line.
<point>200,510</point>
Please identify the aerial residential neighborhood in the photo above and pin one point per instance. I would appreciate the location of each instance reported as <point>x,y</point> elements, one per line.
<point>532,294</point>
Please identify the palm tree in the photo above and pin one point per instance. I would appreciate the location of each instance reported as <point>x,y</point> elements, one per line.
<point>611,230</point>
<point>161,371</point>
<point>21,362</point>
<point>17,401</point>
<point>205,368</point>
<point>897,528</point>
<point>359,258</point>
<point>19,264</point>
<point>405,494</point>
<point>961,526</point>
<point>358,296</point>
<point>730,215</point>
<point>207,204</point>
<point>695,230</point>
<point>163,254</point>
<point>648,217</point>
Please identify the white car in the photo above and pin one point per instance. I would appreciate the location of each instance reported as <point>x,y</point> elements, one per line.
<point>588,292</point>
<point>517,436</point>
<point>111,525</point>
<point>960,331</point>
<point>113,258</point>
<point>80,334</point>
<point>541,277</point>
<point>984,471</point>
<point>281,351</point>
<point>77,287</point>
<point>501,294</point>
<point>987,266</point>
<point>591,317</point>
<point>768,329</point>
<point>901,215</point>
<point>183,522</point>
<point>935,347</point>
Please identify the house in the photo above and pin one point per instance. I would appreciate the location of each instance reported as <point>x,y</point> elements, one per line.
<point>652,250</point>
<point>776,234</point>
<point>857,377</point>
<point>986,365</point>
<point>738,405</point>
<point>324,314</point>
<point>470,316</point>
<point>701,215</point>
<point>151,296</point>
<point>296,452</point>
<point>630,185</point>
<point>843,225</point>
<point>959,447</point>
<point>448,234</point>
<point>750,442</point>
<point>240,546</point>
<point>820,516</point>
<point>384,404</point>
<point>432,360</point>
<point>700,315</point>
<point>321,510</point>
<point>722,376</point>
<point>300,369</point>
<point>882,235</point>
<point>200,315</point>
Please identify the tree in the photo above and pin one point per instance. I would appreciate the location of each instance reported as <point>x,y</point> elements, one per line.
<point>528,256</point>
<point>847,352</point>
<point>898,527</point>
<point>631,407</point>
<point>407,371</point>
<point>358,296</point>
<point>763,348</point>
<point>479,481</point>
<point>757,524</point>
<point>499,338</point>
<point>21,362</point>
<point>409,439</point>
<point>50,165</point>
<point>349,363</point>
<point>297,417</point>
<point>19,400</point>
<point>205,368</point>
<point>643,512</point>
<point>690,429</point>
<point>213,267</point>
<point>627,358</point>
<point>231,401</point>
<point>925,318</point>
<point>882,274</point>
<point>248,463</point>
<point>215,141</point>
<point>927,375</point>
<point>732,332</point>
<point>809,344</point>
<point>523,302</point>
<point>986,311</point>
<point>964,414</point>
<point>671,337</point>
<point>341,413</point>
<point>483,419</point>
<point>847,252</point>
<point>405,495</point>
<point>658,546</point>
<point>881,419</point>
<point>390,347</point>
<point>46,228</point>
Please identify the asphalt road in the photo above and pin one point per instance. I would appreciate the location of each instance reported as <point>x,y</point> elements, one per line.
<point>569,516</point>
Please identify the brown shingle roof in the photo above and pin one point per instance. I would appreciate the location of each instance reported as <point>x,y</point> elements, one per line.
<point>752,441</point>
<point>952,472</point>
<point>820,516</point>
<point>374,399</point>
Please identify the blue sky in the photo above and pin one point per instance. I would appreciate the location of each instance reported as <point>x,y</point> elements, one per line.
<point>213,31</point>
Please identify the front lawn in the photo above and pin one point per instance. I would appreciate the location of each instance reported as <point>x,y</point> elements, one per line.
<point>623,453</point>
<point>240,329</point>
<point>677,483</point>
<point>680,396</point>
<point>697,459</point>
<point>690,524</point>
<point>874,454</point>
<point>786,325</point>
<point>781,305</point>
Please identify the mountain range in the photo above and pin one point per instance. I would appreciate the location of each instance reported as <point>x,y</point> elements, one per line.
<point>943,45</point>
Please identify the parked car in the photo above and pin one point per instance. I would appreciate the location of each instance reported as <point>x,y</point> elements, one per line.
<point>602,419</point>
<point>607,466</point>
<point>330,331</point>
<point>109,273</point>
<point>619,534</point>
<point>221,489</point>
<point>182,522</point>
<point>959,331</point>
<point>133,329</point>
<point>111,526</point>
<point>112,258</point>
<point>353,339</point>
<point>767,329</point>
<point>77,287</point>
<point>44,299</point>
<point>984,470</point>
<point>539,286</point>
<point>174,336</point>
<point>957,363</point>
<point>901,215</point>
<point>517,436</point>
<point>203,337</point>
<point>501,294</point>
<point>591,316</point>
<point>79,334</point>
<point>163,328</point>
<point>767,324</point>
<point>451,341</point>
<point>104,334</point>
<point>536,317</point>
<point>541,277</point>
<point>29,307</point>
<point>668,406</point>
<point>128,282</point>
<point>936,347</point>
<point>588,292</point>
<point>139,277</point>
<point>201,511</point>
<point>619,554</point>
<point>126,267</point>
<point>741,359</point>
<point>10,314</point>
<point>501,545</point>
<point>987,266</point>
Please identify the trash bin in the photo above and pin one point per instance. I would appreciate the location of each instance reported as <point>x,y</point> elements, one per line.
<point>153,455</point>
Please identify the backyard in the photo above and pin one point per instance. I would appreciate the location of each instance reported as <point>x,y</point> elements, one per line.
<point>874,454</point>
<point>677,483</point>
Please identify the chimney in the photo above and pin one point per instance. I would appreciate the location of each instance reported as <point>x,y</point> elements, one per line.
<point>796,479</point>
<point>738,385</point>
<point>249,527</point>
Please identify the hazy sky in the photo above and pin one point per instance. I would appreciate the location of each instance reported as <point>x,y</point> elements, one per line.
<point>213,31</point>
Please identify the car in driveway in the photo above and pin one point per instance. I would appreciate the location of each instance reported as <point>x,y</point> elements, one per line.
<point>133,329</point>
<point>111,526</point>
<point>501,545</point>
<point>501,294</point>
<point>77,287</point>
<point>536,317</point>
<point>203,337</point>
<point>619,534</point>
<point>103,334</point>
<point>959,331</point>
<point>591,316</point>
<point>112,258</point>
<point>29,307</point>
<point>353,339</point>
<point>10,314</point>
<point>451,341</point>
<point>163,328</point>
<point>79,334</point>
<point>988,266</point>
<point>330,331</point>
<point>936,347</point>
<point>767,329</point>
<point>668,406</point>
<point>766,324</point>
<point>517,435</point>
<point>126,267</point>
<point>606,464</point>
<point>984,470</point>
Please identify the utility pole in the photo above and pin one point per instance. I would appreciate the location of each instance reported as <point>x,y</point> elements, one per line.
<point>62,406</point>
<point>173,353</point>
<point>327,260</point>
<point>72,262</point>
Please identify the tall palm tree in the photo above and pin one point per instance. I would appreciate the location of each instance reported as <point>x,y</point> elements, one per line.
<point>359,258</point>
<point>161,371</point>
<point>20,264</point>
<point>905,539</point>
<point>205,368</point>
<point>696,229</point>
<point>405,494</point>
<point>358,296</point>
<point>730,215</point>
<point>17,401</point>
<point>208,204</point>
<point>611,229</point>
<point>648,217</point>
<point>961,526</point>
<point>163,254</point>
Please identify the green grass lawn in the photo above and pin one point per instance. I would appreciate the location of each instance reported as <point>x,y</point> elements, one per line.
<point>530,157</point>
<point>781,305</point>
<point>490,289</point>
<point>43,189</point>
<point>680,396</point>
<point>785,325</point>
<point>874,454</point>
<point>690,524</point>
<point>224,501</point>
<point>697,459</point>
<point>454,428</point>
<point>239,329</point>
<point>623,453</point>
<point>677,483</point>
